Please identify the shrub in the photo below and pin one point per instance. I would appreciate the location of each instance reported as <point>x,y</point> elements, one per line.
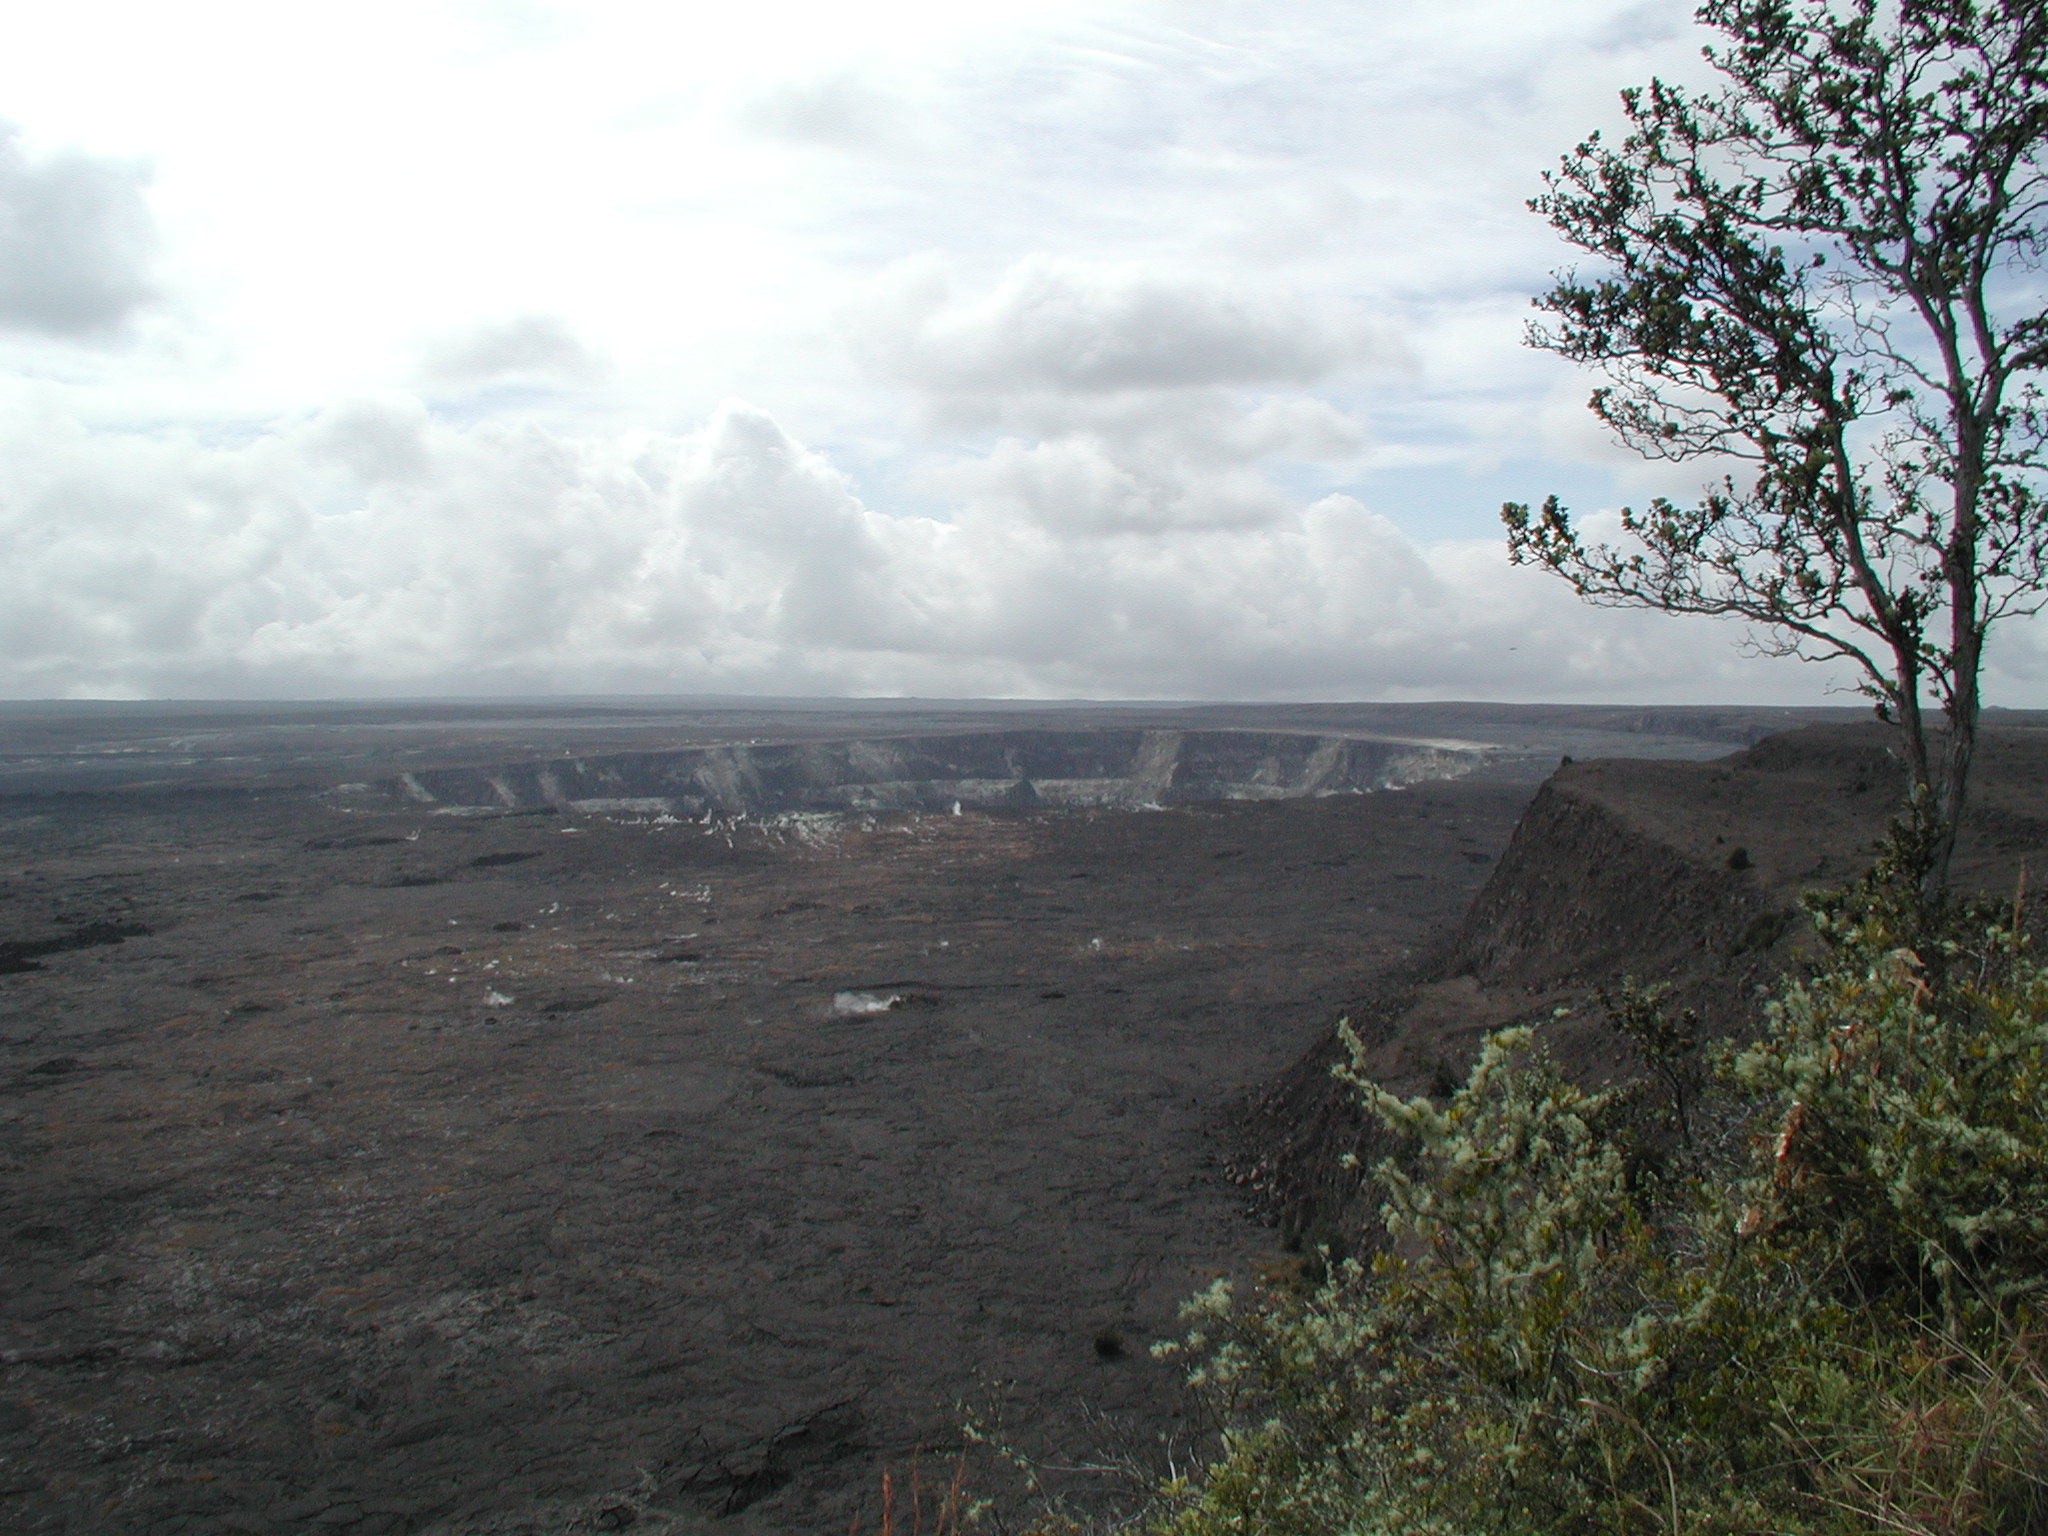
<point>1562,1335</point>
<point>1543,1347</point>
<point>1913,1138</point>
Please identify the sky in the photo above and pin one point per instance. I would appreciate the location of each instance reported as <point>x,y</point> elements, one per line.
<point>1029,348</point>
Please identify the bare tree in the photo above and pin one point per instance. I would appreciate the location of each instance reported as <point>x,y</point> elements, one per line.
<point>1827,269</point>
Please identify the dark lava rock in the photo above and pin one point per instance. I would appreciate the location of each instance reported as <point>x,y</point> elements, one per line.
<point>23,955</point>
<point>509,1204</point>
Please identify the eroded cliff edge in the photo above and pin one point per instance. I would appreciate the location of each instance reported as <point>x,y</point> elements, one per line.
<point>1681,874</point>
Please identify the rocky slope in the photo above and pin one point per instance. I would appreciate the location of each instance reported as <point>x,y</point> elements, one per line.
<point>1681,874</point>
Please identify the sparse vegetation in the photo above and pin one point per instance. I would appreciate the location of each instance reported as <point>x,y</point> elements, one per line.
<point>1799,1295</point>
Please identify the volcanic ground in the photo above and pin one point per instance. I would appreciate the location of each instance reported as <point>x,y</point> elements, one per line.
<point>379,1170</point>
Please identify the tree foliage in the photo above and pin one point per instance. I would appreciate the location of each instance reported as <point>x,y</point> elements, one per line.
<point>1822,278</point>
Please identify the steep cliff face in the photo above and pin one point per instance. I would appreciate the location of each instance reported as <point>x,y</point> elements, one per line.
<point>1684,875</point>
<point>1583,891</point>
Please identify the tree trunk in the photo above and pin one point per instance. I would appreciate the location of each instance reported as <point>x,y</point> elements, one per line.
<point>1951,795</point>
<point>1965,657</point>
<point>1958,751</point>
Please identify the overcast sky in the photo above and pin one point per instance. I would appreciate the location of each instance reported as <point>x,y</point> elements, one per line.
<point>1022,347</point>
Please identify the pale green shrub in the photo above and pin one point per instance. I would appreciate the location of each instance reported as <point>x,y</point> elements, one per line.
<point>1915,1131</point>
<point>1540,1349</point>
<point>1834,1337</point>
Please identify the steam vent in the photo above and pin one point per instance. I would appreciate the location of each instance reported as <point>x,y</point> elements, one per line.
<point>975,770</point>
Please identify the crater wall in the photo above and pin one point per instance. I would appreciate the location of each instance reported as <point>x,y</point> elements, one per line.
<point>973,769</point>
<point>1685,875</point>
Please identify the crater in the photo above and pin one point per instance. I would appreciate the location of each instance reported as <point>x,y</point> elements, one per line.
<point>973,770</point>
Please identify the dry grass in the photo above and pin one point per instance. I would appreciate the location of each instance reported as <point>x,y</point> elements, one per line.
<point>1957,1442</point>
<point>905,1510</point>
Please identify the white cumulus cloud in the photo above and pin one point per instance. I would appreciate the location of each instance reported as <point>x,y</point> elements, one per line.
<point>76,240</point>
<point>1063,325</point>
<point>541,347</point>
<point>374,548</point>
<point>1067,347</point>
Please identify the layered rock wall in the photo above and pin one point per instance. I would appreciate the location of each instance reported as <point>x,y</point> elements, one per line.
<point>977,769</point>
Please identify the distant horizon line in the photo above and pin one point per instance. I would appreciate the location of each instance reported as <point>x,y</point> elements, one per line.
<point>656,701</point>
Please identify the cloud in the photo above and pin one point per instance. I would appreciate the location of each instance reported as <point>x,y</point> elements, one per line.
<point>1138,463</point>
<point>375,549</point>
<point>1055,324</point>
<point>371,441</point>
<point>1086,485</point>
<point>1122,295</point>
<point>1127,402</point>
<point>529,347</point>
<point>76,241</point>
<point>845,109</point>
